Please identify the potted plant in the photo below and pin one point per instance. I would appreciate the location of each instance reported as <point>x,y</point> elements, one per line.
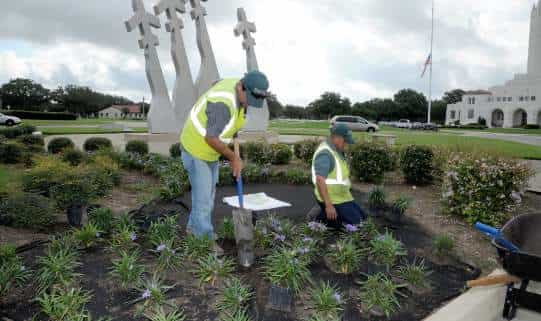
<point>74,195</point>
<point>213,270</point>
<point>327,301</point>
<point>344,257</point>
<point>415,275</point>
<point>384,252</point>
<point>377,200</point>
<point>288,275</point>
<point>235,298</point>
<point>128,270</point>
<point>378,296</point>
<point>398,209</point>
<point>87,236</point>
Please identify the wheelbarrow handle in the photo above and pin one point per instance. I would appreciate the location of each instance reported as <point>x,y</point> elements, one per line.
<point>496,234</point>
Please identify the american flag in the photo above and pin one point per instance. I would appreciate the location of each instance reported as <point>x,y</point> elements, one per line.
<point>427,63</point>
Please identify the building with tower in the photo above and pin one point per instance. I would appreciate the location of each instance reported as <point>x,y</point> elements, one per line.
<point>516,103</point>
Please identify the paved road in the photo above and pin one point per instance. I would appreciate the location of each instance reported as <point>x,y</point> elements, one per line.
<point>519,138</point>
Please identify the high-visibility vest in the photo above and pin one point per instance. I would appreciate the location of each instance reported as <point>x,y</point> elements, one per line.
<point>194,132</point>
<point>338,182</point>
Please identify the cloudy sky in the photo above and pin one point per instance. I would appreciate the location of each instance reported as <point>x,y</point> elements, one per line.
<point>360,48</point>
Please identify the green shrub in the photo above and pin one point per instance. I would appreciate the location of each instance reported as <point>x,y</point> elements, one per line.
<point>27,210</point>
<point>379,292</point>
<point>417,164</point>
<point>385,250</point>
<point>74,157</point>
<point>484,189</point>
<point>236,297</point>
<point>102,218</point>
<point>415,274</point>
<point>46,173</point>
<point>11,153</point>
<point>105,173</point>
<point>137,147</point>
<point>255,174</point>
<point>443,245</point>
<point>25,114</point>
<point>175,151</point>
<point>371,161</point>
<point>14,132</point>
<point>280,154</point>
<point>304,150</point>
<point>345,256</point>
<point>132,161</point>
<point>212,269</point>
<point>377,198</point>
<point>76,190</point>
<point>531,126</point>
<point>65,304</point>
<point>128,269</point>
<point>283,268</point>
<point>257,152</point>
<point>32,140</point>
<point>226,176</point>
<point>97,143</point>
<point>327,301</point>
<point>58,145</point>
<point>174,181</point>
<point>13,274</point>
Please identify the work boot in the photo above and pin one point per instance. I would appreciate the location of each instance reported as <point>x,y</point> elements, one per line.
<point>217,250</point>
<point>313,213</point>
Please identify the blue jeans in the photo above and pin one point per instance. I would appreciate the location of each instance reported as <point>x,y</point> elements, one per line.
<point>348,213</point>
<point>203,179</point>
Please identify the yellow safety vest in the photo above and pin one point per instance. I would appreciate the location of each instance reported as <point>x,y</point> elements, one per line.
<point>338,182</point>
<point>193,135</point>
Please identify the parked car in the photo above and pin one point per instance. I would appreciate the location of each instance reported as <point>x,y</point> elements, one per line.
<point>403,123</point>
<point>431,126</point>
<point>355,123</point>
<point>9,120</point>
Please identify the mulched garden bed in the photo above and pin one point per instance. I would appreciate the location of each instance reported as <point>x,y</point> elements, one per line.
<point>447,280</point>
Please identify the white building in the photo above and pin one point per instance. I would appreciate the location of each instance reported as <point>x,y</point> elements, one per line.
<point>514,104</point>
<point>122,111</point>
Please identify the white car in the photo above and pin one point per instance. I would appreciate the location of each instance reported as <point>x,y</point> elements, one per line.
<point>403,123</point>
<point>355,123</point>
<point>9,120</point>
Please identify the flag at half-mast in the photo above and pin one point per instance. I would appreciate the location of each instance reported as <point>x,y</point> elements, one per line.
<point>427,63</point>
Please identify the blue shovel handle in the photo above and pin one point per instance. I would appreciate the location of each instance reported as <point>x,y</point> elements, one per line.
<point>240,192</point>
<point>496,234</point>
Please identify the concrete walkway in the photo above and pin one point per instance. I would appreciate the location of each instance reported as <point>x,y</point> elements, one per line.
<point>519,138</point>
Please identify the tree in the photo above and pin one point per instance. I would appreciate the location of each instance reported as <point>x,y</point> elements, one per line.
<point>330,104</point>
<point>454,96</point>
<point>439,110</point>
<point>295,112</point>
<point>411,104</point>
<point>275,107</point>
<point>24,94</point>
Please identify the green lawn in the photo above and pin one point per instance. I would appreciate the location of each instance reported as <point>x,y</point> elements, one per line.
<point>452,141</point>
<point>93,121</point>
<point>85,130</point>
<point>81,126</point>
<point>503,130</point>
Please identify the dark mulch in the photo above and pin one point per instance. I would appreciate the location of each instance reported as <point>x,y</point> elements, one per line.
<point>448,280</point>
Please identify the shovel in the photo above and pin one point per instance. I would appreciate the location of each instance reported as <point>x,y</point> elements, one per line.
<point>244,228</point>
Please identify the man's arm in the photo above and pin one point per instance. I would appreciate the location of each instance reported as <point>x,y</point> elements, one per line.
<point>324,192</point>
<point>220,147</point>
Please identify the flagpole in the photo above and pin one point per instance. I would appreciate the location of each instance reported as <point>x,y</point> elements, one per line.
<point>431,63</point>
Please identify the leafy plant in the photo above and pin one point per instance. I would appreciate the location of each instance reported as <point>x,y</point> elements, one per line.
<point>257,152</point>
<point>315,230</point>
<point>227,230</point>
<point>443,245</point>
<point>159,315</point>
<point>174,181</point>
<point>345,256</point>
<point>152,292</point>
<point>65,304</point>
<point>137,147</point>
<point>327,301</point>
<point>102,218</point>
<point>370,229</point>
<point>11,153</point>
<point>32,140</point>
<point>235,297</point>
<point>377,197</point>
<point>197,247</point>
<point>280,154</point>
<point>169,257</point>
<point>283,268</point>
<point>62,242</point>
<point>60,144</point>
<point>371,161</point>
<point>57,268</point>
<point>415,274</point>
<point>74,157</point>
<point>175,151</point>
<point>12,273</point>
<point>94,144</point>
<point>213,269</point>
<point>8,252</point>
<point>75,190</point>
<point>164,230</point>
<point>87,236</point>
<point>238,316</point>
<point>128,270</point>
<point>304,150</point>
<point>378,291</point>
<point>385,250</point>
<point>123,239</point>
<point>401,204</point>
<point>125,222</point>
<point>417,164</point>
<point>27,210</point>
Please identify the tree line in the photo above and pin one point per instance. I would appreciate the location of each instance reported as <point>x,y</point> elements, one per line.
<point>28,95</point>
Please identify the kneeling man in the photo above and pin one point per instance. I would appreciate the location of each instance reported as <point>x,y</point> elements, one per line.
<point>330,175</point>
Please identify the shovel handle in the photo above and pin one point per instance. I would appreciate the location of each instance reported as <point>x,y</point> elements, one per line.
<point>240,188</point>
<point>494,280</point>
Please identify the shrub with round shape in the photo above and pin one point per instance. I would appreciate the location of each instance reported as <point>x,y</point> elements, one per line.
<point>257,152</point>
<point>137,147</point>
<point>371,161</point>
<point>175,151</point>
<point>280,154</point>
<point>11,153</point>
<point>73,156</point>
<point>304,150</point>
<point>97,143</point>
<point>32,140</point>
<point>416,163</point>
<point>60,144</point>
<point>26,210</point>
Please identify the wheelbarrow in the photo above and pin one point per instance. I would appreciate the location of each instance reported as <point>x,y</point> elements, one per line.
<point>519,247</point>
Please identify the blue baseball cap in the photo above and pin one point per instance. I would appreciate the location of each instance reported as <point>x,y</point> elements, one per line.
<point>343,131</point>
<point>256,85</point>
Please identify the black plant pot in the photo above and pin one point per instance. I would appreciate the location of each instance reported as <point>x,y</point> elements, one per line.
<point>75,214</point>
<point>374,268</point>
<point>280,299</point>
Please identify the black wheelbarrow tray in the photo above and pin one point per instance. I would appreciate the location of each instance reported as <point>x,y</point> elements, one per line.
<point>525,232</point>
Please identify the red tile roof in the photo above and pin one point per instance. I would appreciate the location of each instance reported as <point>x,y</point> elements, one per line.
<point>133,109</point>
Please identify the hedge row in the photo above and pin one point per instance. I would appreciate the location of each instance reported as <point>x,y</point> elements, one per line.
<point>23,114</point>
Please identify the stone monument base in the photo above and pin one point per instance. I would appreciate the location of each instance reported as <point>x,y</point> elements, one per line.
<point>267,137</point>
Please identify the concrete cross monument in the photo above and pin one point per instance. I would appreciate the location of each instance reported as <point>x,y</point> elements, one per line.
<point>258,119</point>
<point>184,94</point>
<point>161,117</point>
<point>208,73</point>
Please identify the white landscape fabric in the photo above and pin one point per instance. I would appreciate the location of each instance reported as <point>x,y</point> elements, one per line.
<point>256,202</point>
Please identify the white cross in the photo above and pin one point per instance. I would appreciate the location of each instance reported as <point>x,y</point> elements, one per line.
<point>144,21</point>
<point>171,8</point>
<point>198,10</point>
<point>245,28</point>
